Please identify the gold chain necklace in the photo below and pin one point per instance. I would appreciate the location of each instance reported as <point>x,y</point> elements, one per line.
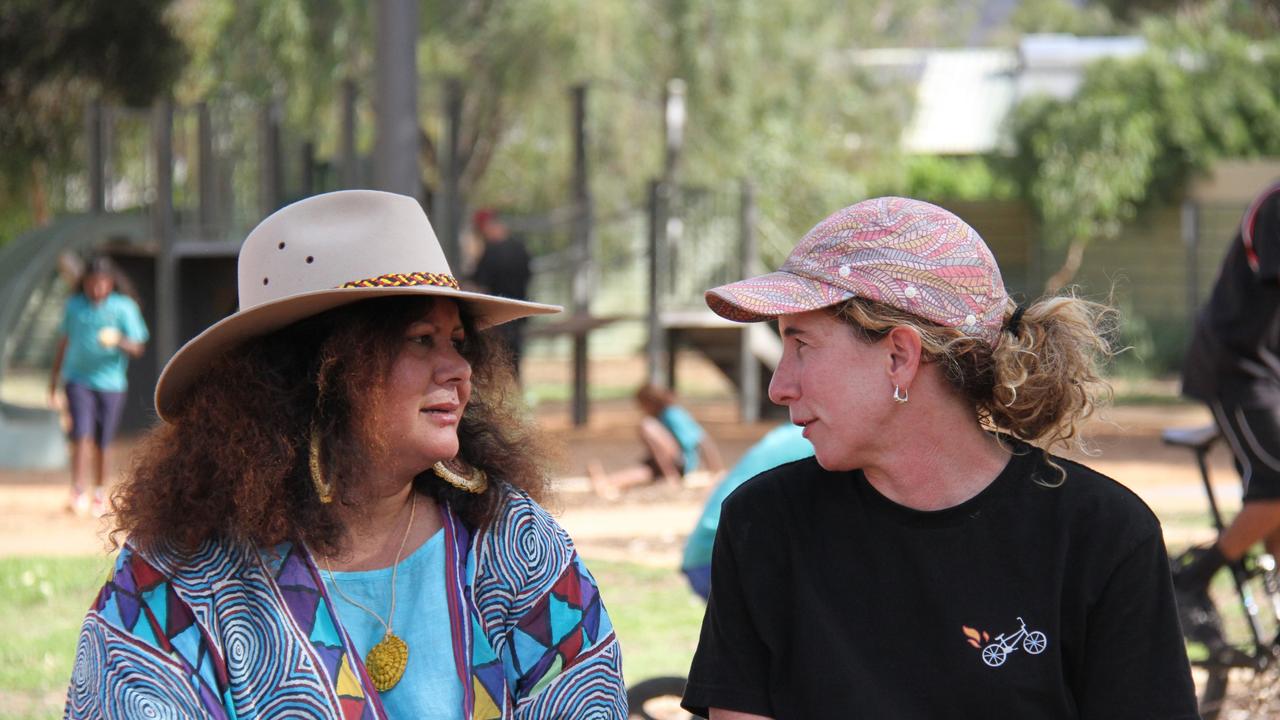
<point>387,660</point>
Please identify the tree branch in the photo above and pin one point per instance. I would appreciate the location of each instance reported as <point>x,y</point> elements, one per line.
<point>1066,273</point>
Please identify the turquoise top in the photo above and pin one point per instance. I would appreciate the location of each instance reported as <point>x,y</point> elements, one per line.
<point>687,431</point>
<point>780,446</point>
<point>87,362</point>
<point>430,688</point>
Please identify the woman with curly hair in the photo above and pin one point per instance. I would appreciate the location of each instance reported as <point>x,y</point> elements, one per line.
<point>933,560</point>
<point>338,516</point>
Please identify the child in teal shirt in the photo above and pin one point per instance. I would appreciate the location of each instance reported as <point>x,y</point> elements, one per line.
<point>677,445</point>
<point>102,328</point>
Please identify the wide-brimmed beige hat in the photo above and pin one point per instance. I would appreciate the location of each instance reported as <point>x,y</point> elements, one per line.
<point>323,252</point>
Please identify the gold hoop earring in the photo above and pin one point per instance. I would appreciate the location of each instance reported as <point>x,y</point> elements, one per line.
<point>323,489</point>
<point>899,395</point>
<point>475,484</point>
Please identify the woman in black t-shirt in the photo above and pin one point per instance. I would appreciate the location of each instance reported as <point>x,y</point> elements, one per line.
<point>932,560</point>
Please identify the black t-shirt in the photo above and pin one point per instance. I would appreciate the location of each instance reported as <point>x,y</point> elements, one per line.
<point>504,268</point>
<point>1235,350</point>
<point>829,600</point>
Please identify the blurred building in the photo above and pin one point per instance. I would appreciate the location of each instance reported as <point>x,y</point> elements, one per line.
<point>963,95</point>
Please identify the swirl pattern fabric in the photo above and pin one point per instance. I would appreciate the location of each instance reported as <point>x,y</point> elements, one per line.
<point>592,697</point>
<point>235,632</point>
<point>262,643</point>
<point>527,553</point>
<point>543,643</point>
<point>115,677</point>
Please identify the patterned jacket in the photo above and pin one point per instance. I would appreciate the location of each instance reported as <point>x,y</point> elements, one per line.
<point>234,632</point>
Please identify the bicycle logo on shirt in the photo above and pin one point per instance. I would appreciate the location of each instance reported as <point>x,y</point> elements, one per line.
<point>996,650</point>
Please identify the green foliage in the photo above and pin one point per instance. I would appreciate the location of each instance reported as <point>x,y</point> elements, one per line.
<point>1139,129</point>
<point>1062,16</point>
<point>767,101</point>
<point>295,50</point>
<point>656,615</point>
<point>516,62</point>
<point>1258,17</point>
<point>15,215</point>
<point>1093,160</point>
<point>937,177</point>
<point>56,54</point>
<point>770,93</point>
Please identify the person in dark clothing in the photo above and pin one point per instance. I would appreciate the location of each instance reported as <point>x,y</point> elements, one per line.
<point>503,270</point>
<point>932,560</point>
<point>1233,366</point>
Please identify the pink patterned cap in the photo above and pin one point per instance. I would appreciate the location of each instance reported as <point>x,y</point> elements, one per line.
<point>900,252</point>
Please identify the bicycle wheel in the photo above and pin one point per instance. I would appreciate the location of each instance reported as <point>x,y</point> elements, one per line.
<point>1220,642</point>
<point>657,699</point>
<point>994,655</point>
<point>1035,642</point>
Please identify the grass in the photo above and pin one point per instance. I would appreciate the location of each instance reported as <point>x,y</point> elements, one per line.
<point>563,392</point>
<point>42,601</point>
<point>656,615</point>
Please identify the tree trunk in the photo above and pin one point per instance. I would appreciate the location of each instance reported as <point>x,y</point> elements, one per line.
<point>1066,273</point>
<point>39,194</point>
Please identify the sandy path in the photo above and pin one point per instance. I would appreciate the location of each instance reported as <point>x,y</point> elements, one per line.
<point>650,524</point>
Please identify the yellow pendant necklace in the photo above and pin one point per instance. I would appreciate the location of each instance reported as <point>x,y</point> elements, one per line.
<point>387,660</point>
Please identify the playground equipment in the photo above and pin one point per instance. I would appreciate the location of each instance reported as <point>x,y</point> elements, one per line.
<point>173,208</point>
<point>700,238</point>
<point>30,309</point>
<point>174,234</point>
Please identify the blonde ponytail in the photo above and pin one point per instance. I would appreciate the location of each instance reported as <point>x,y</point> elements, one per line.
<point>1039,383</point>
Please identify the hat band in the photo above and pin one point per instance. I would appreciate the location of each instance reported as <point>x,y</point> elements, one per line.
<point>405,280</point>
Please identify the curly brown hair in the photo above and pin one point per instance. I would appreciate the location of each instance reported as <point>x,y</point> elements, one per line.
<point>233,463</point>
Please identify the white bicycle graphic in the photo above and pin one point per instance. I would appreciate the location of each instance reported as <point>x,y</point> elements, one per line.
<point>1034,642</point>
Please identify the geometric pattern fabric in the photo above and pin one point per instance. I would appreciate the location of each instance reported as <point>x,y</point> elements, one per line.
<point>232,632</point>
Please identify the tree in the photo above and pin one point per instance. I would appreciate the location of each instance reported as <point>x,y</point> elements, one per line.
<point>774,96</point>
<point>297,51</point>
<point>58,54</point>
<point>505,53</point>
<point>772,92</point>
<point>1062,16</point>
<point>1246,13</point>
<point>1139,129</point>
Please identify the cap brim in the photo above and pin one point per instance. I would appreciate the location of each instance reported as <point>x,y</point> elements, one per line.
<point>197,354</point>
<point>768,296</point>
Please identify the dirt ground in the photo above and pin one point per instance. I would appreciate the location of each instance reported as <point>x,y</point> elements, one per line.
<point>650,524</point>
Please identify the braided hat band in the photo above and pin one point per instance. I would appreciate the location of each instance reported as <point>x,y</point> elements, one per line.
<point>405,280</point>
<point>300,261</point>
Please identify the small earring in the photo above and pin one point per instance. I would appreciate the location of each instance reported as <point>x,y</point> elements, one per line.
<point>475,484</point>
<point>899,395</point>
<point>323,489</point>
